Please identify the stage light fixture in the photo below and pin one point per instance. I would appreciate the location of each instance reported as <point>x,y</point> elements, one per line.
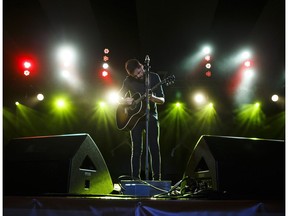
<point>208,73</point>
<point>105,58</point>
<point>275,98</point>
<point>246,54</point>
<point>26,67</point>
<point>247,63</point>
<point>65,74</point>
<point>208,65</point>
<point>26,72</point>
<point>207,49</point>
<point>113,97</point>
<point>199,98</point>
<point>40,97</point>
<point>104,73</point>
<point>105,65</point>
<point>178,104</point>
<point>27,64</point>
<point>102,104</point>
<point>207,57</point>
<point>66,56</point>
<point>248,73</point>
<point>257,105</point>
<point>60,103</point>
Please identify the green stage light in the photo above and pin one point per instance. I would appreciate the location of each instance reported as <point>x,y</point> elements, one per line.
<point>175,119</point>
<point>207,113</point>
<point>60,103</point>
<point>29,120</point>
<point>176,113</point>
<point>103,116</point>
<point>62,114</point>
<point>178,104</point>
<point>250,114</point>
<point>207,120</point>
<point>102,104</point>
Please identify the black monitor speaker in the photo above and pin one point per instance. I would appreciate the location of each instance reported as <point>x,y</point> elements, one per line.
<point>60,164</point>
<point>237,167</point>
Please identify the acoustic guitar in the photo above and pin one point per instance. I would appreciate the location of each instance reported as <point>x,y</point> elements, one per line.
<point>127,116</point>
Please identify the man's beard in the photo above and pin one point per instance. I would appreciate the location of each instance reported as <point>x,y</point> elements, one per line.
<point>140,79</point>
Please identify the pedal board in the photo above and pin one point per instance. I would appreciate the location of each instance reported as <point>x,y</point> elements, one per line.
<point>145,188</point>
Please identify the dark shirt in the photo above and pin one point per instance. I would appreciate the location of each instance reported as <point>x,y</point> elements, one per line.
<point>133,86</point>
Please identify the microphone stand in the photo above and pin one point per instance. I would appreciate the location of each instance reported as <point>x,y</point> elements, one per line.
<point>147,88</point>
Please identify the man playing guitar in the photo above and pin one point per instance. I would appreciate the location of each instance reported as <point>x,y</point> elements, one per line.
<point>134,85</point>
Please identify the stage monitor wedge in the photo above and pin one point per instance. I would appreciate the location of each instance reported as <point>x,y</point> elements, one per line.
<point>238,167</point>
<point>58,164</point>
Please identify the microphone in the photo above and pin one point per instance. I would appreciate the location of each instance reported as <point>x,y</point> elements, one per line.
<point>147,60</point>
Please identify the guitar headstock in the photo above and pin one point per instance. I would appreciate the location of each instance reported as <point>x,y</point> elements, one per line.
<point>169,80</point>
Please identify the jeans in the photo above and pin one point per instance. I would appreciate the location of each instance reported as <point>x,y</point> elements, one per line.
<point>154,148</point>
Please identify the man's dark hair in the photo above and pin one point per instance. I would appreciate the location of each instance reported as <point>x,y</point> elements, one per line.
<point>131,65</point>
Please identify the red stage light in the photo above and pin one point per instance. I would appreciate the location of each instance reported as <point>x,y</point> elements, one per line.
<point>207,57</point>
<point>208,73</point>
<point>104,73</point>
<point>27,64</point>
<point>247,63</point>
<point>105,58</point>
<point>26,72</point>
<point>27,67</point>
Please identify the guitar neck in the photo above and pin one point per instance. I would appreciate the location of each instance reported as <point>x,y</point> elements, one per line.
<point>167,81</point>
<point>152,89</point>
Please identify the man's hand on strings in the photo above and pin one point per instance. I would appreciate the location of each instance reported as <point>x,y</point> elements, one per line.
<point>158,100</point>
<point>127,101</point>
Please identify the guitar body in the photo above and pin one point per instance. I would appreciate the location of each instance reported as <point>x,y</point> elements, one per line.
<point>128,116</point>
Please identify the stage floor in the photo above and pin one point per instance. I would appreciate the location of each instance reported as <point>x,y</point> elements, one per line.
<point>130,205</point>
